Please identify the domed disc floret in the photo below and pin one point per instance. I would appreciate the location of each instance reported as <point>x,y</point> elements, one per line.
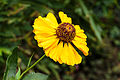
<point>65,32</point>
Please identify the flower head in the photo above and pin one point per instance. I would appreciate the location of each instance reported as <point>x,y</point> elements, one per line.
<point>56,38</point>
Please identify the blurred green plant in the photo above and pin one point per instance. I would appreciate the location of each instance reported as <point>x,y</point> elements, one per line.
<point>99,18</point>
<point>11,66</point>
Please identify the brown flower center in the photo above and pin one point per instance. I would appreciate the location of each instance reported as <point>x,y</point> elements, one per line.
<point>65,32</point>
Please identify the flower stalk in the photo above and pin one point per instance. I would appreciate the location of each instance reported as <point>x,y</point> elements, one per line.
<point>31,67</point>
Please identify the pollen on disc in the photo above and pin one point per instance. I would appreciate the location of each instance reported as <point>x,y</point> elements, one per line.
<point>65,32</point>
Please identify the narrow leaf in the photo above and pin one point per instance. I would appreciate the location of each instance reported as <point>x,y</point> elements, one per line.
<point>11,65</point>
<point>30,60</point>
<point>91,21</point>
<point>18,74</point>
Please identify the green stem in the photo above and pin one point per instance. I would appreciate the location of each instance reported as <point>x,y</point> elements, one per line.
<point>31,67</point>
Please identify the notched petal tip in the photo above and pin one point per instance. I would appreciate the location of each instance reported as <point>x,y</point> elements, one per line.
<point>52,19</point>
<point>60,13</point>
<point>85,50</point>
<point>64,18</point>
<point>39,16</point>
<point>33,31</point>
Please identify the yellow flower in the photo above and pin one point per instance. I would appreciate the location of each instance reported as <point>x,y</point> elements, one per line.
<point>56,38</point>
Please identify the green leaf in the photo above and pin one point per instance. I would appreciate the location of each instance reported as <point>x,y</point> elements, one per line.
<point>35,76</point>
<point>5,50</point>
<point>18,74</point>
<point>30,60</point>
<point>11,65</point>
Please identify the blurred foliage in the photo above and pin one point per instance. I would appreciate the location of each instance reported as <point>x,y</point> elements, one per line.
<point>99,18</point>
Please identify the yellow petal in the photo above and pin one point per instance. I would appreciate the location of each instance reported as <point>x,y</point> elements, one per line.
<point>69,56</point>
<point>43,33</point>
<point>42,25</point>
<point>81,35</point>
<point>79,32</point>
<point>82,47</point>
<point>52,20</point>
<point>78,29</point>
<point>78,58</point>
<point>65,55</point>
<point>50,47</point>
<point>56,52</point>
<point>64,18</point>
<point>79,40</point>
<point>42,30</point>
<point>46,42</point>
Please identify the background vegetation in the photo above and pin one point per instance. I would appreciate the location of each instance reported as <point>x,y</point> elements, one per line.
<point>99,18</point>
